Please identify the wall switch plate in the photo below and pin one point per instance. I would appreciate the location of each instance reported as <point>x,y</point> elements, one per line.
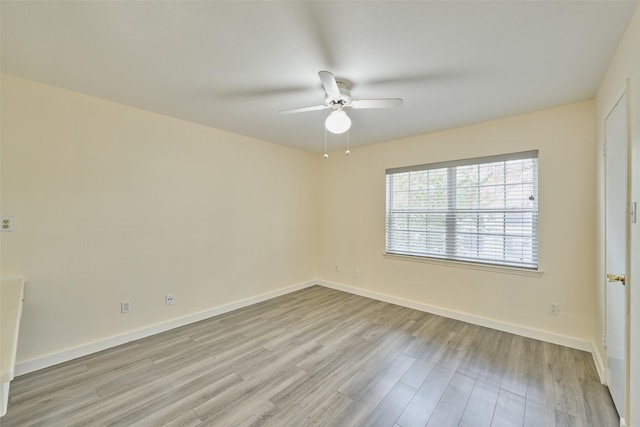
<point>6,224</point>
<point>357,273</point>
<point>554,308</point>
<point>169,299</point>
<point>125,307</point>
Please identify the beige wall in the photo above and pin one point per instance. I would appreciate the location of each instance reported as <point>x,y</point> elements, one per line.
<point>112,203</point>
<point>625,65</point>
<point>353,223</point>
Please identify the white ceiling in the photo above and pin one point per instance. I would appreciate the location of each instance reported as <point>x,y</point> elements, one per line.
<point>233,65</point>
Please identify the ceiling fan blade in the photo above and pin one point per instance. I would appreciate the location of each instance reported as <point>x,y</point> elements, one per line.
<point>376,103</point>
<point>304,109</point>
<point>329,83</point>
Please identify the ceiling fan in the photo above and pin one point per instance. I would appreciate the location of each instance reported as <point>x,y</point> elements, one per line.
<point>338,97</point>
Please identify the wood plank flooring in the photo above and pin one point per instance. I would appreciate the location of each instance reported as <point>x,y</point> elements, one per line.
<point>320,357</point>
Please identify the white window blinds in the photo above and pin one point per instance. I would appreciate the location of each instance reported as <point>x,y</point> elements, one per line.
<point>479,210</point>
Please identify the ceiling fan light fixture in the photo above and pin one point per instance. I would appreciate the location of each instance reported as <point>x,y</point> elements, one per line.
<point>338,122</point>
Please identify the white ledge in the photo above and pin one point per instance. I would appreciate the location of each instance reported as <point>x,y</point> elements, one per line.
<point>12,292</point>
<point>468,265</point>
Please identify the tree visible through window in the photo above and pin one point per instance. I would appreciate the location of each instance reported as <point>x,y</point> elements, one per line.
<point>479,210</point>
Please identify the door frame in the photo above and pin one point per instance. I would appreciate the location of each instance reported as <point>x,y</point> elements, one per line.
<point>624,90</point>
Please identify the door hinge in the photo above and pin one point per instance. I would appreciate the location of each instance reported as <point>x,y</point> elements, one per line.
<point>604,341</point>
<point>604,150</point>
<point>633,214</point>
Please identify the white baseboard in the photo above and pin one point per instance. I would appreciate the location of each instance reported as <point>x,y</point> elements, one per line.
<point>469,318</point>
<point>599,362</point>
<point>103,344</point>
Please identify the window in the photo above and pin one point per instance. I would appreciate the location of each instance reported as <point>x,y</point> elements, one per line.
<point>478,210</point>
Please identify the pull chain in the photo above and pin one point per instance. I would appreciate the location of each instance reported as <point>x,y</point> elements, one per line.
<point>326,155</point>
<point>348,152</point>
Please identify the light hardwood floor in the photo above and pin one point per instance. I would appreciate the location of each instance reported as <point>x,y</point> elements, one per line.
<point>320,357</point>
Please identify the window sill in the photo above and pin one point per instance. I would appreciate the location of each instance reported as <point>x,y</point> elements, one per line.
<point>468,265</point>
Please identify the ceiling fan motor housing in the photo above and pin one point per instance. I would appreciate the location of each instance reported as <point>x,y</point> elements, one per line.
<point>343,100</point>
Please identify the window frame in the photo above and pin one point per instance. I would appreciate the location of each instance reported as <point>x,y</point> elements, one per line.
<point>452,215</point>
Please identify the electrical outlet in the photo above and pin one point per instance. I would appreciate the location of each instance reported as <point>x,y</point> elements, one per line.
<point>125,307</point>
<point>169,299</point>
<point>6,224</point>
<point>554,308</point>
<point>336,268</point>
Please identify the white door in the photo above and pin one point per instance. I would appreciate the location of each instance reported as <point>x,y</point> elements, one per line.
<point>616,248</point>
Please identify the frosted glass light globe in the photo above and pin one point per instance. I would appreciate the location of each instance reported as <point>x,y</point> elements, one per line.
<point>338,122</point>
